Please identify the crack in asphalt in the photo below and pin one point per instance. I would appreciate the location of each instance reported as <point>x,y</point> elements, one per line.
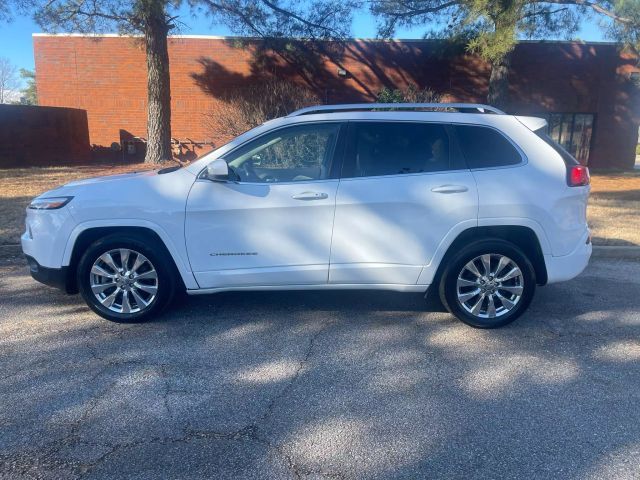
<point>23,463</point>
<point>296,374</point>
<point>583,402</point>
<point>250,432</point>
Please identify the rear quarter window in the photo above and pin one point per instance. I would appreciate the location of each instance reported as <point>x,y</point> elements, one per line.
<point>485,147</point>
<point>569,160</point>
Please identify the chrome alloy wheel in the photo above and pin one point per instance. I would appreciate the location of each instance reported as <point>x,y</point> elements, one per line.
<point>124,281</point>
<point>490,285</point>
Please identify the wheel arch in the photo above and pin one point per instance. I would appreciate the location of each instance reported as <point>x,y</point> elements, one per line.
<point>522,236</point>
<point>82,238</point>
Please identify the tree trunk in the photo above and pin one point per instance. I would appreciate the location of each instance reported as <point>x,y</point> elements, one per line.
<point>158,88</point>
<point>499,82</point>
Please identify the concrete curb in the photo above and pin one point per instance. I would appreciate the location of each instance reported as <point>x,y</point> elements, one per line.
<point>616,251</point>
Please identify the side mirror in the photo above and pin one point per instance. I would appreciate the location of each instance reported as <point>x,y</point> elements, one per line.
<point>218,170</point>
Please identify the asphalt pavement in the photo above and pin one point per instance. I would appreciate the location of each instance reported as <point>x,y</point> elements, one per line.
<point>313,385</point>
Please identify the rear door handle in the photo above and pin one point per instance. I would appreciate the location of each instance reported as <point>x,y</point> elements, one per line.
<point>310,196</point>
<point>450,189</point>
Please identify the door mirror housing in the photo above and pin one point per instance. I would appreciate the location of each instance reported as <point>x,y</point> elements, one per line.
<point>218,170</point>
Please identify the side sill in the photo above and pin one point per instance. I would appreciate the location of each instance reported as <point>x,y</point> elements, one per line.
<point>328,286</point>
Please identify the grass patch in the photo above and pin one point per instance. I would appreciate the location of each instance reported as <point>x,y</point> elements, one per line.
<point>614,208</point>
<point>613,213</point>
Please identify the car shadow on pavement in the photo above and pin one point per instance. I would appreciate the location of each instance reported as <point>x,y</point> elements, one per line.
<point>335,384</point>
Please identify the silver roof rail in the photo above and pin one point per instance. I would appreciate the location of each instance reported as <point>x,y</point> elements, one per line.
<point>396,106</point>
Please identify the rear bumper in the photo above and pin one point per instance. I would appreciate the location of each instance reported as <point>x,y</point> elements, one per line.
<point>569,266</point>
<point>53,277</point>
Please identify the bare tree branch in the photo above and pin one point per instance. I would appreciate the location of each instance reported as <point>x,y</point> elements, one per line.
<point>218,7</point>
<point>543,12</point>
<point>410,11</point>
<point>594,6</point>
<point>300,19</point>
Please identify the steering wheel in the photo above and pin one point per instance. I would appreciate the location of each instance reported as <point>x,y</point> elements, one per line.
<point>247,171</point>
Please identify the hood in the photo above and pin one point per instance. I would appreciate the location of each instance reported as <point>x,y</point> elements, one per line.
<point>77,186</point>
<point>128,187</point>
<point>107,178</point>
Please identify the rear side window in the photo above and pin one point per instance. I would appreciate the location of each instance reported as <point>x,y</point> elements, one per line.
<point>393,148</point>
<point>486,148</point>
<point>569,159</point>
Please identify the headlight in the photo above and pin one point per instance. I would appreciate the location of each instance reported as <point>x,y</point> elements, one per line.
<point>50,203</point>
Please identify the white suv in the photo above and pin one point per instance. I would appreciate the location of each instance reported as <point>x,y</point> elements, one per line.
<point>478,204</point>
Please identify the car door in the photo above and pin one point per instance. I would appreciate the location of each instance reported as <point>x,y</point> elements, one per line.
<point>272,224</point>
<point>403,188</point>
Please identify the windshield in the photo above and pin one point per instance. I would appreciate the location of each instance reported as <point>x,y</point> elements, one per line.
<point>196,166</point>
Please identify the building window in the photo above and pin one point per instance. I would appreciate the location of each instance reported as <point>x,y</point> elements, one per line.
<point>573,131</point>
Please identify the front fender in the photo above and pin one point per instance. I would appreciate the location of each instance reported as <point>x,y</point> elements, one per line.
<point>178,252</point>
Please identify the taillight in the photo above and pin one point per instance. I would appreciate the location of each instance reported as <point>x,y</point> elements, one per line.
<point>578,176</point>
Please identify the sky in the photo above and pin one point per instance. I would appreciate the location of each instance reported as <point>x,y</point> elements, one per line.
<point>16,43</point>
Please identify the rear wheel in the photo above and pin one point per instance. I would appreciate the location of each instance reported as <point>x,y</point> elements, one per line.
<point>488,284</point>
<point>125,279</point>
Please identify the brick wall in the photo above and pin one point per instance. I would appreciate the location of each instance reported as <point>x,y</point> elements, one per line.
<point>37,136</point>
<point>106,76</point>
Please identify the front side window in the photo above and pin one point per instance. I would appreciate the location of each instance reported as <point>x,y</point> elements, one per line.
<point>484,147</point>
<point>393,148</point>
<point>294,154</point>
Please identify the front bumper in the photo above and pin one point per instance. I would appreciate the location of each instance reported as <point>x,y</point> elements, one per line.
<point>53,277</point>
<point>46,235</point>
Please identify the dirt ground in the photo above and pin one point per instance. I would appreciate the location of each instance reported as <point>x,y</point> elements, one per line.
<point>614,209</point>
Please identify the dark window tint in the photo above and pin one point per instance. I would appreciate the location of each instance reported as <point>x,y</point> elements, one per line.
<point>484,147</point>
<point>566,156</point>
<point>377,148</point>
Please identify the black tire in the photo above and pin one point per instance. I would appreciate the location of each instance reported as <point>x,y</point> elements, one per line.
<point>448,287</point>
<point>156,255</point>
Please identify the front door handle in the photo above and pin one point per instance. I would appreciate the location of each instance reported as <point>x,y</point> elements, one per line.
<point>450,189</point>
<point>310,196</point>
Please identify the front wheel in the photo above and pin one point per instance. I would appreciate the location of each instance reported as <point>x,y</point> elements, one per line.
<point>125,279</point>
<point>488,284</point>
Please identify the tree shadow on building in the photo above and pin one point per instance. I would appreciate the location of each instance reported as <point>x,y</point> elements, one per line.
<point>339,72</point>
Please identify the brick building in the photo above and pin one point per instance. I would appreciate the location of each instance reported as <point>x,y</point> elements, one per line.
<point>588,91</point>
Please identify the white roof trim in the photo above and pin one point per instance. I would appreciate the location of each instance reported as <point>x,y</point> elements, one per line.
<point>117,35</point>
